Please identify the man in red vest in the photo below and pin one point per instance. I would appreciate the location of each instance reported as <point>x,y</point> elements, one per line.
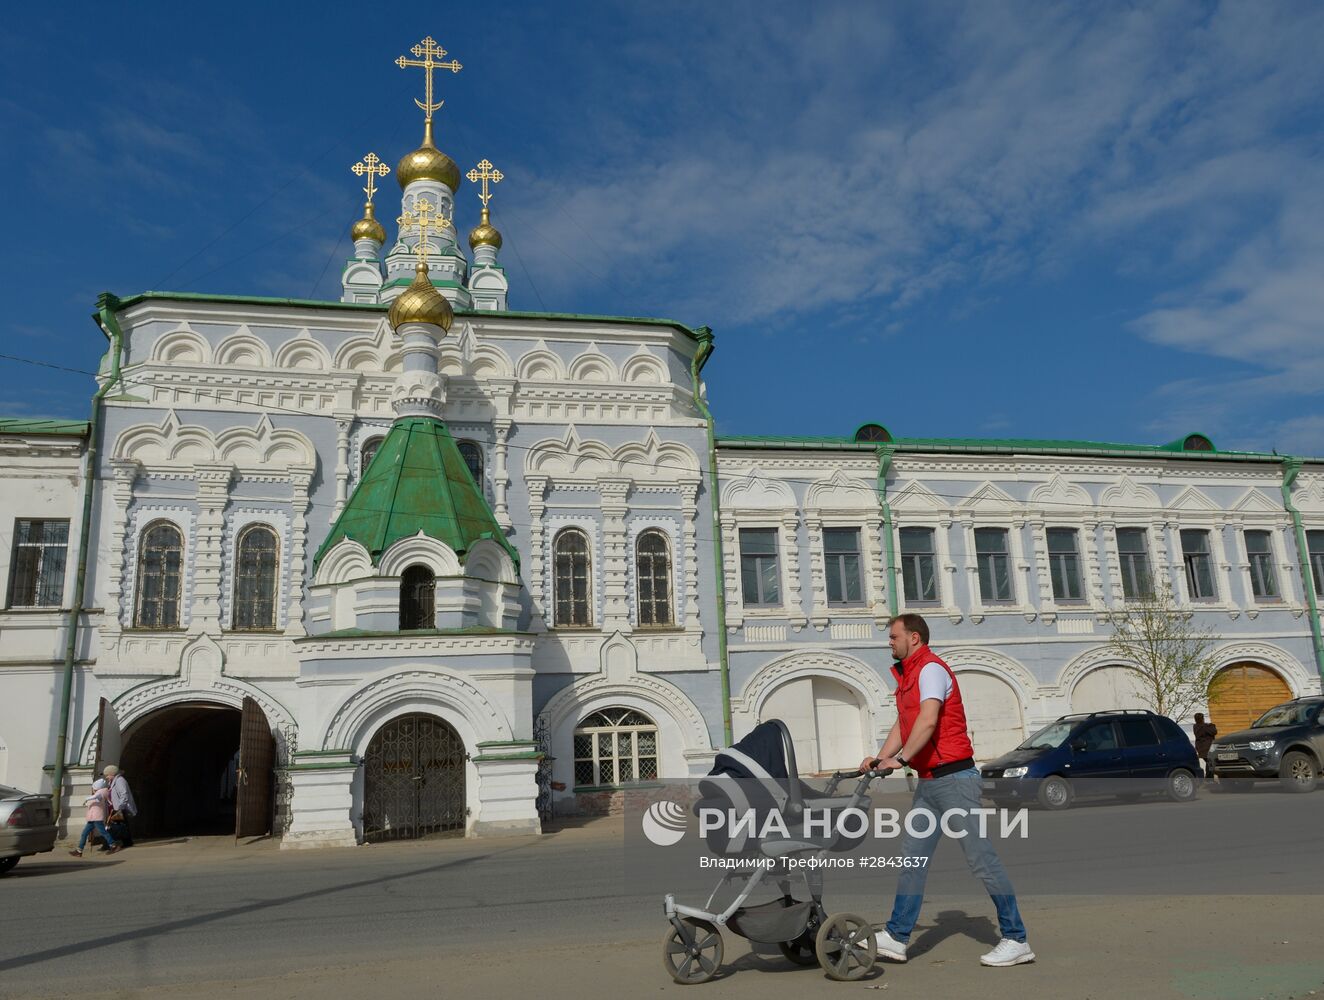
<point>930,737</point>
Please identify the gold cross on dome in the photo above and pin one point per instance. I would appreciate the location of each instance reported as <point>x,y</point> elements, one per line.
<point>374,168</point>
<point>485,172</point>
<point>428,56</point>
<point>425,217</point>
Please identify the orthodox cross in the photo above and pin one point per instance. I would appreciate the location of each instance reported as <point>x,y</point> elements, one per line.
<point>485,172</point>
<point>425,217</point>
<point>374,168</point>
<point>428,55</point>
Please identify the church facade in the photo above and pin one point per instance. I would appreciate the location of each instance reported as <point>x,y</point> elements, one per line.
<point>415,563</point>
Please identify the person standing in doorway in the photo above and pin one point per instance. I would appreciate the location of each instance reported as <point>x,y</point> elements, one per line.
<point>121,799</point>
<point>930,737</point>
<point>1204,733</point>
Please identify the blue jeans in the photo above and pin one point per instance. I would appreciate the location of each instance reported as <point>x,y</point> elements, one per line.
<point>100,827</point>
<point>952,791</point>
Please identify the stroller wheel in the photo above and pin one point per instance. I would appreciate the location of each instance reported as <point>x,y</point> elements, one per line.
<point>801,951</point>
<point>845,946</point>
<point>694,957</point>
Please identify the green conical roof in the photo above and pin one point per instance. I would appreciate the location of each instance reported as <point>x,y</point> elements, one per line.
<point>418,481</point>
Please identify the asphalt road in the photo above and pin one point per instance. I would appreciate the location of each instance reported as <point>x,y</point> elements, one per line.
<point>565,916</point>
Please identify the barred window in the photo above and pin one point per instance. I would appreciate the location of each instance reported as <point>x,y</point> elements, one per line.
<point>653,578</point>
<point>418,591</point>
<point>37,568</point>
<point>473,458</point>
<point>571,566</point>
<point>160,576</point>
<point>616,746</point>
<point>368,453</point>
<point>257,562</point>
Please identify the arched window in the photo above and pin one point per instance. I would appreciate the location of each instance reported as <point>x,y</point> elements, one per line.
<point>615,747</point>
<point>653,579</point>
<point>256,563</point>
<point>418,589</point>
<point>473,457</point>
<point>571,567</point>
<point>160,576</point>
<point>368,453</point>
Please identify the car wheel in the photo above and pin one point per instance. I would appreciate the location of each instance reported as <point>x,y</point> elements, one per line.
<point>1298,773</point>
<point>1181,785</point>
<point>7,864</point>
<point>1055,792</point>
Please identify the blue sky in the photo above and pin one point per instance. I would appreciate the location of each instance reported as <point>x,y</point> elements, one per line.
<point>1099,221</point>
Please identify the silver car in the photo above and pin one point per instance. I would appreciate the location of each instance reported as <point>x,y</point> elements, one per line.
<point>26,826</point>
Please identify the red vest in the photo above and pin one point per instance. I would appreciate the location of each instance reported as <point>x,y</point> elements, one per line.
<point>949,741</point>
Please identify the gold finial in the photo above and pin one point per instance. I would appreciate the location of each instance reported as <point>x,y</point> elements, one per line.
<point>374,168</point>
<point>428,55</point>
<point>425,217</point>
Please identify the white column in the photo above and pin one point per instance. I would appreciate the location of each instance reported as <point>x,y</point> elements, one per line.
<point>689,500</point>
<point>213,495</point>
<point>971,566</point>
<point>343,423</point>
<point>790,535</point>
<point>1093,576</point>
<point>125,472</point>
<point>615,550</point>
<point>735,607</point>
<point>1113,556</point>
<point>500,476</point>
<point>818,601</point>
<point>537,487</point>
<point>878,582</point>
<point>301,478</point>
<point>1047,603</point>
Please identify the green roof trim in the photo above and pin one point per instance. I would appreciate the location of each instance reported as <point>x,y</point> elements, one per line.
<point>1002,446</point>
<point>418,481</point>
<point>256,300</point>
<point>40,426</point>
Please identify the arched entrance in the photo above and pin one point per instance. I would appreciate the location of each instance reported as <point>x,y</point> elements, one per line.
<point>181,763</point>
<point>992,713</point>
<point>825,719</point>
<point>1106,689</point>
<point>414,779</point>
<point>1241,693</point>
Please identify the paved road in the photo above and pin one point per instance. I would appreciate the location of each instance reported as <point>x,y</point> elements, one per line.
<point>562,916</point>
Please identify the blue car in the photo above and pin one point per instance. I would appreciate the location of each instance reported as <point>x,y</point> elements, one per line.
<point>1125,754</point>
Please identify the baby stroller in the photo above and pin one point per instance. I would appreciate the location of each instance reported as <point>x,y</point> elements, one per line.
<point>759,773</point>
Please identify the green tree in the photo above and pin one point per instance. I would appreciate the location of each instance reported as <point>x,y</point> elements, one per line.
<point>1170,656</point>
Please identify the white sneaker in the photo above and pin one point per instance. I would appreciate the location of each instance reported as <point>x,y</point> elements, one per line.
<point>1008,952</point>
<point>889,947</point>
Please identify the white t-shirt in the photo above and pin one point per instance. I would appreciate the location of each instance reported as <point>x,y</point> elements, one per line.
<point>934,682</point>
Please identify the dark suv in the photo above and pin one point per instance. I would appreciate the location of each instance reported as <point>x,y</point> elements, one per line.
<point>1124,753</point>
<point>1286,743</point>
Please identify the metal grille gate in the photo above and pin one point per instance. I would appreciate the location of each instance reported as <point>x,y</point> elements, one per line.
<point>413,779</point>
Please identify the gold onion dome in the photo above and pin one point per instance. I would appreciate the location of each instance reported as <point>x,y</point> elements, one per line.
<point>484,234</point>
<point>428,163</point>
<point>421,303</point>
<point>367,228</point>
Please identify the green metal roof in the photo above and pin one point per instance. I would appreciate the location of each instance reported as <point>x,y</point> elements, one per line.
<point>255,300</point>
<point>417,481</point>
<point>25,425</point>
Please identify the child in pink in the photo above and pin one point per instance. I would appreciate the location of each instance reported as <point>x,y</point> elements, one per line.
<point>98,808</point>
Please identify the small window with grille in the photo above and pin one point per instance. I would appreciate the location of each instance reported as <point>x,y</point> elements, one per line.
<point>37,569</point>
<point>418,589</point>
<point>160,576</point>
<point>653,579</point>
<point>473,458</point>
<point>257,558</point>
<point>571,568</point>
<point>616,746</point>
<point>368,453</point>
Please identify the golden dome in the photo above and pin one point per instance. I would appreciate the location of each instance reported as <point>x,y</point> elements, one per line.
<point>367,228</point>
<point>421,303</point>
<point>428,163</point>
<point>484,234</point>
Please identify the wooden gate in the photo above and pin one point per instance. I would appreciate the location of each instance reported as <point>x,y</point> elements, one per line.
<point>257,759</point>
<point>1241,693</point>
